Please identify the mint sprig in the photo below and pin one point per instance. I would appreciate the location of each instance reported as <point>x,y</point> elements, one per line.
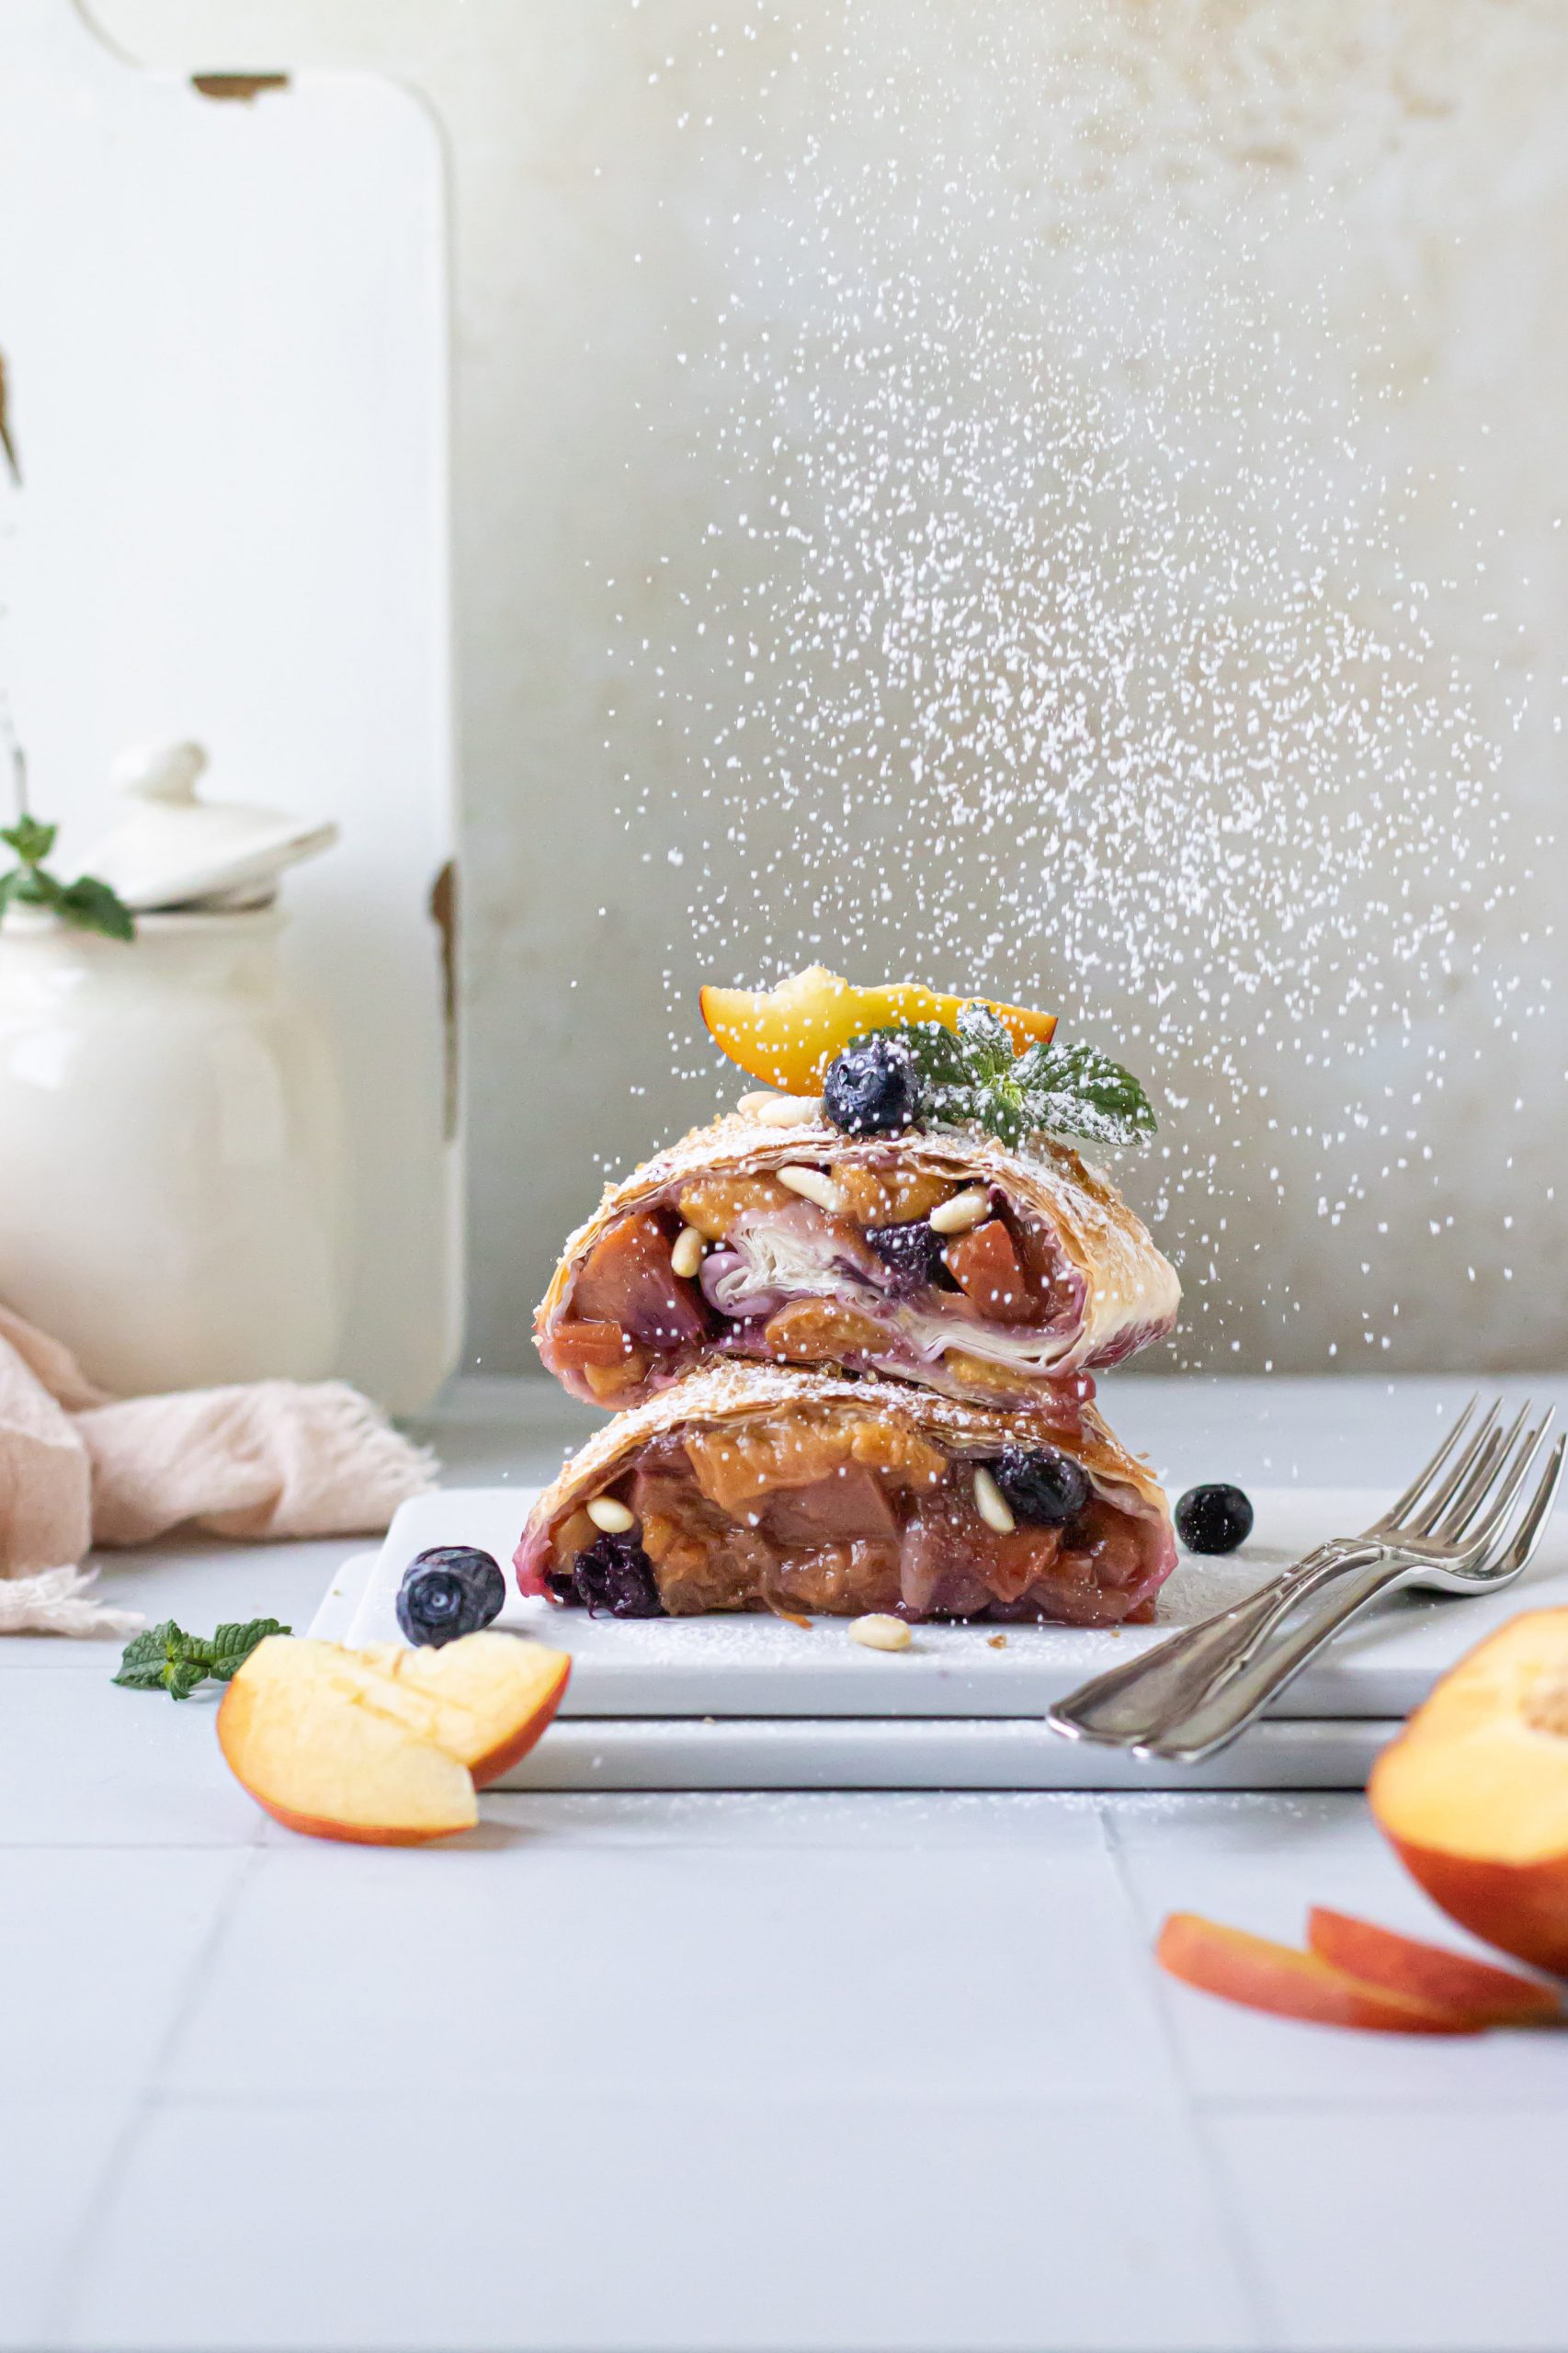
<point>972,1074</point>
<point>88,904</point>
<point>166,1658</point>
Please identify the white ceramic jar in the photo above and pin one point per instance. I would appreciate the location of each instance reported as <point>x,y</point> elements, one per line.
<point>173,1191</point>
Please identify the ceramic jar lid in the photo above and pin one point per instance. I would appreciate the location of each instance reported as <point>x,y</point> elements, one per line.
<point>175,850</point>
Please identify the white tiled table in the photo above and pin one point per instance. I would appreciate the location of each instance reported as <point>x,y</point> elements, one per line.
<point>740,2072</point>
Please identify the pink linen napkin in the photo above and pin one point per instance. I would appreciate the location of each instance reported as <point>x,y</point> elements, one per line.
<point>78,1468</point>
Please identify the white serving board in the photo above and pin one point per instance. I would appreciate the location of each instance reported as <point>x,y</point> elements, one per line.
<point>757,1702</point>
<point>224,330</point>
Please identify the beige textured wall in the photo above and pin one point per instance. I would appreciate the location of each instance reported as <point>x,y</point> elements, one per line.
<point>1284,282</point>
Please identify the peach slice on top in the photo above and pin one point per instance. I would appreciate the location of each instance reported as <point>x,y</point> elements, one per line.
<point>1405,1965</point>
<point>1473,1794</point>
<point>384,1745</point>
<point>787,1036</point>
<point>1262,1975</point>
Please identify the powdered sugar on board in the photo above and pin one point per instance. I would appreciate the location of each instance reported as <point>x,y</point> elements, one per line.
<point>757,1666</point>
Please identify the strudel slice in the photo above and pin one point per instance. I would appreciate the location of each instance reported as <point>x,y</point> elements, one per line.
<point>765,1487</point>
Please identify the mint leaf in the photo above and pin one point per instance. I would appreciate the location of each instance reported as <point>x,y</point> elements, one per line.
<point>971,1075</point>
<point>91,906</point>
<point>88,904</point>
<point>32,841</point>
<point>986,1042</point>
<point>1078,1091</point>
<point>166,1658</point>
<point>31,887</point>
<point>233,1644</point>
<point>147,1656</point>
<point>1000,1107</point>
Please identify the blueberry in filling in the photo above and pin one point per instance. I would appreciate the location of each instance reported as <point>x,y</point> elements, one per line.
<point>912,1255</point>
<point>870,1090</point>
<point>1042,1486</point>
<point>449,1591</point>
<point>614,1578</point>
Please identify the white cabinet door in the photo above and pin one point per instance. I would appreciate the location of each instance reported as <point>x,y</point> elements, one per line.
<point>224,324</point>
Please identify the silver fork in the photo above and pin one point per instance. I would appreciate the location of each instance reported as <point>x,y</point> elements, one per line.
<point>1128,1702</point>
<point>1195,1693</point>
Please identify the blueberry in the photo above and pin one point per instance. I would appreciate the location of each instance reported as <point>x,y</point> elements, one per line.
<point>1044,1487</point>
<point>912,1255</point>
<point>871,1089</point>
<point>614,1578</point>
<point>1213,1520</point>
<point>451,1590</point>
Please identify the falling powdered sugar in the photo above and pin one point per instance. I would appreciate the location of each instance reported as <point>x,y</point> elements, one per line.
<point>1057,635</point>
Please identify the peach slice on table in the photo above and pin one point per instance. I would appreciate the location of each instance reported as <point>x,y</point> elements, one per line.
<point>1451,1980</point>
<point>1473,1794</point>
<point>1262,1975</point>
<point>385,1746</point>
<point>787,1036</point>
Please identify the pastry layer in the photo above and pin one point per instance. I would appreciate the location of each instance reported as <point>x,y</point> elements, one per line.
<point>937,1257</point>
<point>756,1487</point>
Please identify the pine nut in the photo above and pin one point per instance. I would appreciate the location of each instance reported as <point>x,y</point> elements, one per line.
<point>685,1255</point>
<point>813,1184</point>
<point>613,1518</point>
<point>781,1110</point>
<point>992,1503</point>
<point>880,1633</point>
<point>962,1212</point>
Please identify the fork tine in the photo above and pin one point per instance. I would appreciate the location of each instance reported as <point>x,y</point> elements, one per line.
<point>1491,1468</point>
<point>1429,1470</point>
<point>1532,1526</point>
<point>1478,1538</point>
<point>1427,1518</point>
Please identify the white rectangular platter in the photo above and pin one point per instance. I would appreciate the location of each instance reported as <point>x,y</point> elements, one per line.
<point>759,1702</point>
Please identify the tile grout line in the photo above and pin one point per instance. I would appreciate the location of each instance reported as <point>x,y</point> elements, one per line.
<point>60,2299</point>
<point>1267,2331</point>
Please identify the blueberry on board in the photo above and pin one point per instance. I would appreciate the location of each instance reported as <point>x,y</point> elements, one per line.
<point>1043,1486</point>
<point>449,1590</point>
<point>615,1578</point>
<point>912,1255</point>
<point>1213,1520</point>
<point>871,1089</point>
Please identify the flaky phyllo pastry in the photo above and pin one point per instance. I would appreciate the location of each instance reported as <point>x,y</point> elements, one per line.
<point>758,1486</point>
<point>937,1256</point>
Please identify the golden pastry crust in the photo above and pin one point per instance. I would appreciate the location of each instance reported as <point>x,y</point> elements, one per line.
<point>729,1393</point>
<point>1131,1290</point>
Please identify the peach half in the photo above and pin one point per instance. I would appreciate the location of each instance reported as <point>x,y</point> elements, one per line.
<point>1262,1975</point>
<point>1473,1794</point>
<point>384,1745</point>
<point>787,1036</point>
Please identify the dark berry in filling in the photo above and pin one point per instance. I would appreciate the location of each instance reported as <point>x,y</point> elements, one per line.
<point>912,1255</point>
<point>1044,1487</point>
<point>871,1089</point>
<point>1213,1520</point>
<point>614,1578</point>
<point>451,1590</point>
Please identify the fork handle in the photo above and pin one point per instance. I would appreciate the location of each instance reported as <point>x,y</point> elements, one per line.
<point>1130,1705</point>
<point>1228,1709</point>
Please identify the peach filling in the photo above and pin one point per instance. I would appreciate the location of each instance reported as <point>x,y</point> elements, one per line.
<point>849,1514</point>
<point>860,1279</point>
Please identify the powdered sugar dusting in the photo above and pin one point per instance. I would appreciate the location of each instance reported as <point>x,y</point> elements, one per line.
<point>1058,636</point>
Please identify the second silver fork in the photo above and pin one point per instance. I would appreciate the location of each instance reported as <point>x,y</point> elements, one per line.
<point>1194,1693</point>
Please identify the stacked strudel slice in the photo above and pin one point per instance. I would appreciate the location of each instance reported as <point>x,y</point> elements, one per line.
<point>851,1368</point>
